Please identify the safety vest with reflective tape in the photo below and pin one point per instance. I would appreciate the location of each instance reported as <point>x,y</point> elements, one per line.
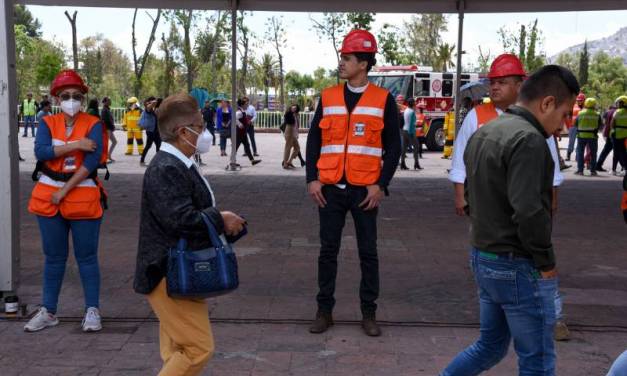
<point>486,112</point>
<point>131,119</point>
<point>620,123</point>
<point>351,143</point>
<point>587,123</point>
<point>420,124</point>
<point>83,201</point>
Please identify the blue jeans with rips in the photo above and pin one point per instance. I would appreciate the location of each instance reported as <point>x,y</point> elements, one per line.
<point>515,303</point>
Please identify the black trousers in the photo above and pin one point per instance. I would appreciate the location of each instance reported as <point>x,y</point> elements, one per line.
<point>152,137</point>
<point>332,219</point>
<point>242,139</point>
<point>620,151</point>
<point>605,152</point>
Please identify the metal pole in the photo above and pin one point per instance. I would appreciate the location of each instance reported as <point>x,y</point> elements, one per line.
<point>9,178</point>
<point>461,5</point>
<point>233,166</point>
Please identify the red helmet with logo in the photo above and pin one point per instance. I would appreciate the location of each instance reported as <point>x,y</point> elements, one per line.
<point>67,78</point>
<point>506,65</point>
<point>581,97</point>
<point>359,41</point>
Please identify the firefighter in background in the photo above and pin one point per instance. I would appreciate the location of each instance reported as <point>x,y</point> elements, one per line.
<point>619,129</point>
<point>570,124</point>
<point>68,197</point>
<point>587,124</point>
<point>421,122</point>
<point>130,122</point>
<point>353,149</point>
<point>506,76</point>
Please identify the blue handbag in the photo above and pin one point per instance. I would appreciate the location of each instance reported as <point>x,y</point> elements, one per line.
<point>203,273</point>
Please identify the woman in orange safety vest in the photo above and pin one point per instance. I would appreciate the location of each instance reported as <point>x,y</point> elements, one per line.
<point>68,198</point>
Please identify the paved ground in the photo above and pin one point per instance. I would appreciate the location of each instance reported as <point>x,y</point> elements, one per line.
<point>427,299</point>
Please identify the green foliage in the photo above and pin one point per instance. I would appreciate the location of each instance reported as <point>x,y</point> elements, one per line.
<point>424,37</point>
<point>331,27</point>
<point>23,16</point>
<point>360,20</point>
<point>584,62</point>
<point>526,42</point>
<point>392,45</point>
<point>444,57</point>
<point>607,80</point>
<point>568,61</point>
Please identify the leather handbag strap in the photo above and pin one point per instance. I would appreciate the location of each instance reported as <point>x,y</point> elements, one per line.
<point>213,233</point>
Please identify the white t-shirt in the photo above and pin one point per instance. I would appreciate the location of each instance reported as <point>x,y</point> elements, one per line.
<point>457,174</point>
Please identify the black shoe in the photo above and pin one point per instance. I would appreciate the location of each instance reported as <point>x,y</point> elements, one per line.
<point>601,169</point>
<point>255,161</point>
<point>565,167</point>
<point>322,322</point>
<point>594,173</point>
<point>255,154</point>
<point>579,173</point>
<point>302,163</point>
<point>417,166</point>
<point>404,166</point>
<point>370,326</point>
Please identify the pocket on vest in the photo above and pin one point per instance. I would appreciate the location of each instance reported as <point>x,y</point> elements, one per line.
<point>41,201</point>
<point>82,203</point>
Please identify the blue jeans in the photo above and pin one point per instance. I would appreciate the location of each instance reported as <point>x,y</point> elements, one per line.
<point>572,136</point>
<point>514,304</point>
<point>619,368</point>
<point>29,120</point>
<point>55,238</point>
<point>593,144</point>
<point>225,133</point>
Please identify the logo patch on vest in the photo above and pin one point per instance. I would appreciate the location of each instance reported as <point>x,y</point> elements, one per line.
<point>360,129</point>
<point>69,163</point>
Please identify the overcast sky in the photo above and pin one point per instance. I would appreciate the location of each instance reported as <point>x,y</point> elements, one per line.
<point>305,52</point>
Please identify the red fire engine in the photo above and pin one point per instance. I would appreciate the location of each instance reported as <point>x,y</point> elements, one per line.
<point>435,89</point>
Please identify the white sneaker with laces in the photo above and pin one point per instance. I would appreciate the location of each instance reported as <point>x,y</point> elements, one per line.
<point>92,321</point>
<point>41,320</point>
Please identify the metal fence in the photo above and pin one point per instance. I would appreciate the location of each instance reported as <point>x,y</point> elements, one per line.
<point>265,119</point>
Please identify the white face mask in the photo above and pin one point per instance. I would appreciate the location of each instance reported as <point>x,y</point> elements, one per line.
<point>203,142</point>
<point>71,107</point>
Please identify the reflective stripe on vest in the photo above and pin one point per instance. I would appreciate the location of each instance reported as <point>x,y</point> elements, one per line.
<point>351,143</point>
<point>486,112</point>
<point>44,179</point>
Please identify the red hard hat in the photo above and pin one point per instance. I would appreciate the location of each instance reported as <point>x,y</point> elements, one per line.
<point>581,97</point>
<point>66,78</point>
<point>506,65</point>
<point>359,41</point>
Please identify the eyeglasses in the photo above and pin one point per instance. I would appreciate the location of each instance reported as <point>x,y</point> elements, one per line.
<point>75,96</point>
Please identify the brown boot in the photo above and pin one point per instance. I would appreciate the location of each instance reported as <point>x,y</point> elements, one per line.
<point>322,322</point>
<point>561,331</point>
<point>370,326</point>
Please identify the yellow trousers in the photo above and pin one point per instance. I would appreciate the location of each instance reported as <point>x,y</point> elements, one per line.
<point>185,336</point>
<point>137,135</point>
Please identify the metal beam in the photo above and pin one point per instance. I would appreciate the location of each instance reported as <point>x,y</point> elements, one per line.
<point>461,4</point>
<point>233,164</point>
<point>9,181</point>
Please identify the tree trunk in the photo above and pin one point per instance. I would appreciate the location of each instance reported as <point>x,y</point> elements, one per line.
<point>282,82</point>
<point>139,64</point>
<point>167,77</point>
<point>187,25</point>
<point>74,42</point>
<point>214,49</point>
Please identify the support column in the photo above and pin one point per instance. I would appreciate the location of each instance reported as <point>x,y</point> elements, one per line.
<point>9,168</point>
<point>233,164</point>
<point>461,5</point>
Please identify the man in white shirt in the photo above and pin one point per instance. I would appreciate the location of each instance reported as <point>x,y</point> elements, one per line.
<point>250,130</point>
<point>506,76</point>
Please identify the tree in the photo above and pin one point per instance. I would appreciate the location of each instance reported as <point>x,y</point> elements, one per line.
<point>584,61</point>
<point>331,27</point>
<point>358,20</point>
<point>524,44</point>
<point>243,48</point>
<point>74,43</point>
<point>568,61</point>
<point>267,68</point>
<point>391,44</point>
<point>607,80</point>
<point>322,79</point>
<point>424,37</point>
<point>187,19</point>
<point>210,48</point>
<point>23,16</point>
<point>275,34</point>
<point>169,46</point>
<point>484,60</point>
<point>444,57</point>
<point>139,62</point>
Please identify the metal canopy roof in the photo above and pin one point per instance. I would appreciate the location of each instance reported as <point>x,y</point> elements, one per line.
<point>381,6</point>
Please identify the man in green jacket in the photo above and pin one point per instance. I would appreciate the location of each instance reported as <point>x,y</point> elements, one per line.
<point>29,110</point>
<point>509,184</point>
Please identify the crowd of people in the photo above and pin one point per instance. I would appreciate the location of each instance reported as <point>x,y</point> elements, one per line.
<point>505,173</point>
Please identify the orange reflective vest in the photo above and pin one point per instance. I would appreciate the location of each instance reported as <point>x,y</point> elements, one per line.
<point>351,143</point>
<point>84,200</point>
<point>576,110</point>
<point>420,124</point>
<point>485,113</point>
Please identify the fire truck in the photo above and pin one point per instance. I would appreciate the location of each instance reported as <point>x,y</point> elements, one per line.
<point>435,89</point>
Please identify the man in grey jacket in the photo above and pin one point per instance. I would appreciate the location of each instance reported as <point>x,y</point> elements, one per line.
<point>508,189</point>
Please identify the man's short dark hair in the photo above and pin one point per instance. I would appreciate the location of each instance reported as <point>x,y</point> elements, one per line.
<point>550,80</point>
<point>367,57</point>
<point>45,103</point>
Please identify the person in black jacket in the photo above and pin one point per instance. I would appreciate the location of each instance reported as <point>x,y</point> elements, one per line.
<point>291,119</point>
<point>174,196</point>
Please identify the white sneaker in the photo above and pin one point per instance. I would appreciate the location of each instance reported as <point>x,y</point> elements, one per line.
<point>91,322</point>
<point>41,320</point>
